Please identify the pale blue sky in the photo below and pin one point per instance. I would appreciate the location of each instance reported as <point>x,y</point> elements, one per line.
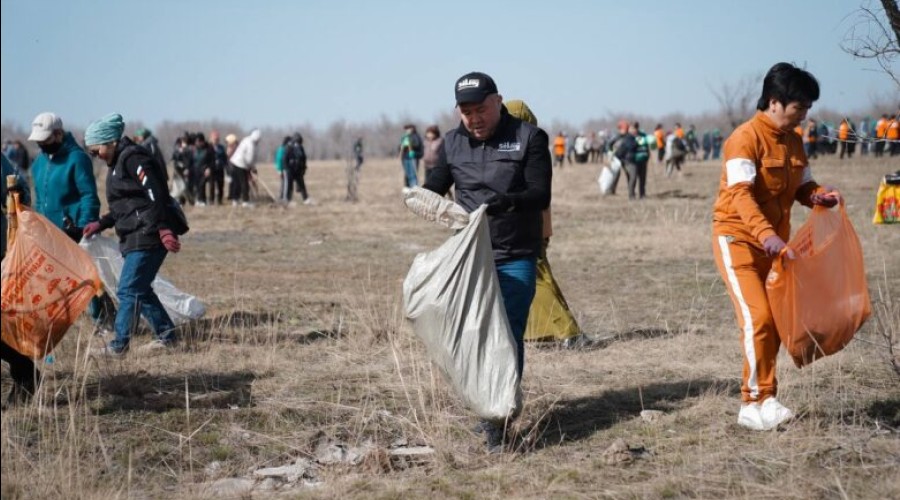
<point>286,62</point>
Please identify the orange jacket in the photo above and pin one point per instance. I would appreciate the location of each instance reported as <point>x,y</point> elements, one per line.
<point>679,132</point>
<point>880,128</point>
<point>893,130</point>
<point>559,146</point>
<point>764,172</point>
<point>798,130</point>
<point>660,138</point>
<point>844,131</point>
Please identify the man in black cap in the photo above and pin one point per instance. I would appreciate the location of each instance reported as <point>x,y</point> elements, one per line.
<point>497,160</point>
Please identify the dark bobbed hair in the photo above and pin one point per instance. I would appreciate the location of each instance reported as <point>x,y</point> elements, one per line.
<point>787,83</point>
<point>434,130</point>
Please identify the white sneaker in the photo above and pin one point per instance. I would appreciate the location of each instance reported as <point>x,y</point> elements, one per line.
<point>247,204</point>
<point>764,416</point>
<point>201,203</point>
<point>104,333</point>
<point>105,352</point>
<point>234,203</point>
<point>156,345</point>
<point>309,201</point>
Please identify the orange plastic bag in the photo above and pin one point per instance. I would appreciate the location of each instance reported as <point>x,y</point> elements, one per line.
<point>47,281</point>
<point>820,299</point>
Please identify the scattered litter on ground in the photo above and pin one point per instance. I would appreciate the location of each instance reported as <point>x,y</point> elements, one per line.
<point>651,415</point>
<point>620,453</point>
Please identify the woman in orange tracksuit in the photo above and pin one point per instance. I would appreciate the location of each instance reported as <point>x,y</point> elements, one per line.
<point>764,172</point>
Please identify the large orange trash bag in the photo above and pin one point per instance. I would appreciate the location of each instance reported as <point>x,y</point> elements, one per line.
<point>819,300</point>
<point>47,281</point>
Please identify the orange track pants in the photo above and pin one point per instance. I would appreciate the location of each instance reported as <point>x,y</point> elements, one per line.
<point>744,269</point>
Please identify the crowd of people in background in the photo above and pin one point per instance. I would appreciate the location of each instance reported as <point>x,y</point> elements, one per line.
<point>877,137</point>
<point>202,166</point>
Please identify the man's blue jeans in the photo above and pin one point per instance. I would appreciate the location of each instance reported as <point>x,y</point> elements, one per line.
<point>409,170</point>
<point>137,298</point>
<point>517,283</point>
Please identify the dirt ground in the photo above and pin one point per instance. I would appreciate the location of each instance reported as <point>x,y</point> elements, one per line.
<point>305,349</point>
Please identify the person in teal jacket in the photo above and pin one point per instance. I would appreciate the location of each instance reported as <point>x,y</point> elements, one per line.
<point>65,191</point>
<point>279,167</point>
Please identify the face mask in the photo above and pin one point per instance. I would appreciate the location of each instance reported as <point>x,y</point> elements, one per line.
<point>50,149</point>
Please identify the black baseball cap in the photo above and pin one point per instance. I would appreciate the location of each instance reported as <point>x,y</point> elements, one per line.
<point>474,87</point>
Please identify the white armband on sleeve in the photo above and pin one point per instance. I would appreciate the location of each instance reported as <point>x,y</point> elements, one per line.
<point>739,170</point>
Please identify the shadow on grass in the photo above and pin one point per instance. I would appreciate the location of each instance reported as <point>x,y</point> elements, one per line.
<point>587,342</point>
<point>241,326</point>
<point>579,418</point>
<point>680,195</point>
<point>887,412</point>
<point>144,392</point>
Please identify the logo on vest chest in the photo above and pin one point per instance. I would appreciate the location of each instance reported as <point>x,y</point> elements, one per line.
<point>509,147</point>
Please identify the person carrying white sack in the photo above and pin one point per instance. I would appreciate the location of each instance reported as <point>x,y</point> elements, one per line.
<point>497,160</point>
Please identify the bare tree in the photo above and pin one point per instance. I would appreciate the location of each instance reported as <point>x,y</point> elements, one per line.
<point>737,100</point>
<point>875,34</point>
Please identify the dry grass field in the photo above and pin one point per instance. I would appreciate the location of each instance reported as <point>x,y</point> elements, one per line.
<point>305,357</point>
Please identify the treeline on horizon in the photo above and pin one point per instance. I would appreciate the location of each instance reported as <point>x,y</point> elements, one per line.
<point>381,138</point>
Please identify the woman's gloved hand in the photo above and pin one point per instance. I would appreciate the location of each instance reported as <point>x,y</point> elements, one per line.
<point>169,240</point>
<point>774,245</point>
<point>827,198</point>
<point>90,229</point>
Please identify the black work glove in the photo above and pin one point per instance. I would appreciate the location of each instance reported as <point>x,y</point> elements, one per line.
<point>72,231</point>
<point>498,204</point>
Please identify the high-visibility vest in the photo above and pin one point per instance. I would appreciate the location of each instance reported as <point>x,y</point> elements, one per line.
<point>844,131</point>
<point>881,128</point>
<point>559,146</point>
<point>893,130</point>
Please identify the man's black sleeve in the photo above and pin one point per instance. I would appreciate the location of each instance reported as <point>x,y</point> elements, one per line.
<point>538,174</point>
<point>440,179</point>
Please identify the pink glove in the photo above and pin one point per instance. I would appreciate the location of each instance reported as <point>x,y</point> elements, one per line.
<point>90,229</point>
<point>827,198</point>
<point>169,240</point>
<point>774,245</point>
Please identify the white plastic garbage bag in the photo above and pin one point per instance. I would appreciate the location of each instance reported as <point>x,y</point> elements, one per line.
<point>452,297</point>
<point>182,307</point>
<point>609,176</point>
<point>178,187</point>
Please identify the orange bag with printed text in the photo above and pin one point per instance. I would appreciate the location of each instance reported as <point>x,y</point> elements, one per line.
<point>47,281</point>
<point>819,299</point>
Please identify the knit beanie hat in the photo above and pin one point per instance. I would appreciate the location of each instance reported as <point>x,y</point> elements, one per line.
<point>105,130</point>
